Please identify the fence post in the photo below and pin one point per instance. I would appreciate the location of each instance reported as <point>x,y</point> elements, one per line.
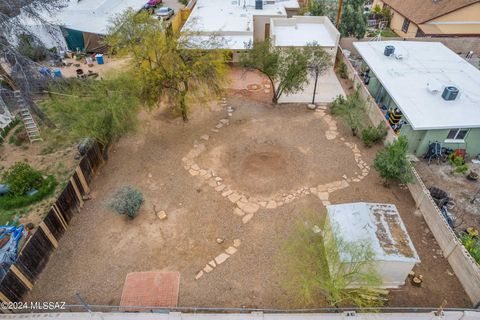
<point>59,215</point>
<point>49,234</point>
<point>82,179</point>
<point>77,192</point>
<point>21,277</point>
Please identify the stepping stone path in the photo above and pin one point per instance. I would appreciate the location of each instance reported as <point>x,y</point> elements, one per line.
<point>219,259</point>
<point>245,206</point>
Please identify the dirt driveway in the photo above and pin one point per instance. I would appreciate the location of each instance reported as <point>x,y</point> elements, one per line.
<point>276,159</point>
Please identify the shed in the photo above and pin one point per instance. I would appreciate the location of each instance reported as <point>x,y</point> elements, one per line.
<point>382,227</point>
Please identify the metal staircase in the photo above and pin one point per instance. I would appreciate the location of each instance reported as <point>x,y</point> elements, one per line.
<point>27,119</point>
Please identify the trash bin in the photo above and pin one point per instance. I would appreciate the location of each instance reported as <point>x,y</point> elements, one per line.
<point>99,58</point>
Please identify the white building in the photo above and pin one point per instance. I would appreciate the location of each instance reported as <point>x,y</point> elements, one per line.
<point>81,23</point>
<point>381,227</point>
<point>414,78</point>
<point>237,22</point>
<point>299,31</point>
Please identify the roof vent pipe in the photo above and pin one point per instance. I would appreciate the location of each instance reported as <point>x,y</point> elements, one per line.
<point>389,50</point>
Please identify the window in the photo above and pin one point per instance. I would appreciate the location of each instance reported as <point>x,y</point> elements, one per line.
<point>457,134</point>
<point>406,24</point>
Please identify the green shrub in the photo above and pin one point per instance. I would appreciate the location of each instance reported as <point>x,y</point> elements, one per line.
<point>372,135</point>
<point>342,70</point>
<point>458,163</point>
<point>21,177</point>
<point>392,163</point>
<point>472,244</point>
<point>11,201</point>
<point>351,110</point>
<point>462,168</point>
<point>127,200</point>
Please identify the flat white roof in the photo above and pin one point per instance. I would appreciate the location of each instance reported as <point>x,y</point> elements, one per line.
<point>425,63</point>
<point>93,15</point>
<point>378,224</point>
<point>232,19</point>
<point>293,32</point>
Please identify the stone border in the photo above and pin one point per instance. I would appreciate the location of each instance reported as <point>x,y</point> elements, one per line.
<point>246,206</point>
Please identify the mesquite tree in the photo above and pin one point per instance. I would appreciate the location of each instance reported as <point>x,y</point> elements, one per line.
<point>286,68</point>
<point>175,66</point>
<point>318,62</point>
<point>17,70</point>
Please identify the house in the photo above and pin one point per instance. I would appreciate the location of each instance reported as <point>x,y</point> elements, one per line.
<point>81,24</point>
<point>378,226</point>
<point>427,92</point>
<point>237,22</point>
<point>299,31</point>
<point>433,18</point>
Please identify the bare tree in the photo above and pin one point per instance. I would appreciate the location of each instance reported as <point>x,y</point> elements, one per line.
<point>18,71</point>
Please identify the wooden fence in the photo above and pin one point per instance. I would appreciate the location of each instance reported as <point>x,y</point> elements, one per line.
<point>35,253</point>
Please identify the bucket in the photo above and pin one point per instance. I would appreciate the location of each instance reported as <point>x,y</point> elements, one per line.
<point>99,58</point>
<point>57,73</point>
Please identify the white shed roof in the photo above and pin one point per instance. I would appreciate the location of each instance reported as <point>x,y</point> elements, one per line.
<point>423,64</point>
<point>378,224</point>
<point>93,15</point>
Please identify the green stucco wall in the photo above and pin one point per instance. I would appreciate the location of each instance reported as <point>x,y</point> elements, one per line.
<point>418,140</point>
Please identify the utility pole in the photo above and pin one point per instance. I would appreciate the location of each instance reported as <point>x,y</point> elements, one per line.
<point>339,12</point>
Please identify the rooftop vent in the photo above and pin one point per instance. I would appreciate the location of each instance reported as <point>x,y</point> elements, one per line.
<point>450,93</point>
<point>389,50</point>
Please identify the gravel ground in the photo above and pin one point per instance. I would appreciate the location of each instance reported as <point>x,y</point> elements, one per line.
<point>264,150</point>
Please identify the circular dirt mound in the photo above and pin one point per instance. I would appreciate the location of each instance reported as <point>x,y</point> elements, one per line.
<point>265,168</point>
<point>265,164</point>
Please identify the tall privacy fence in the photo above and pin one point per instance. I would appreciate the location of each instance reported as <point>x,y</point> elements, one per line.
<point>462,263</point>
<point>38,248</point>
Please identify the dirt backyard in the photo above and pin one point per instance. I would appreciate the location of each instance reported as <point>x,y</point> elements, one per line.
<point>245,178</point>
<point>459,188</point>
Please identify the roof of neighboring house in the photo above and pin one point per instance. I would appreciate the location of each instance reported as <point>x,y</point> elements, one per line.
<point>93,15</point>
<point>415,78</point>
<point>232,20</point>
<point>298,31</point>
<point>377,225</point>
<point>425,10</point>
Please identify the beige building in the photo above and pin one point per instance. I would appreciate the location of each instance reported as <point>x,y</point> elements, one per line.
<point>434,18</point>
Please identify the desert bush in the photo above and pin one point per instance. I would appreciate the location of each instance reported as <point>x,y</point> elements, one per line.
<point>127,200</point>
<point>315,270</point>
<point>372,135</point>
<point>351,110</point>
<point>392,163</point>
<point>342,70</point>
<point>21,177</point>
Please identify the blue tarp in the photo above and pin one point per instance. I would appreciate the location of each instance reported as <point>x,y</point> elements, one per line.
<point>9,252</point>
